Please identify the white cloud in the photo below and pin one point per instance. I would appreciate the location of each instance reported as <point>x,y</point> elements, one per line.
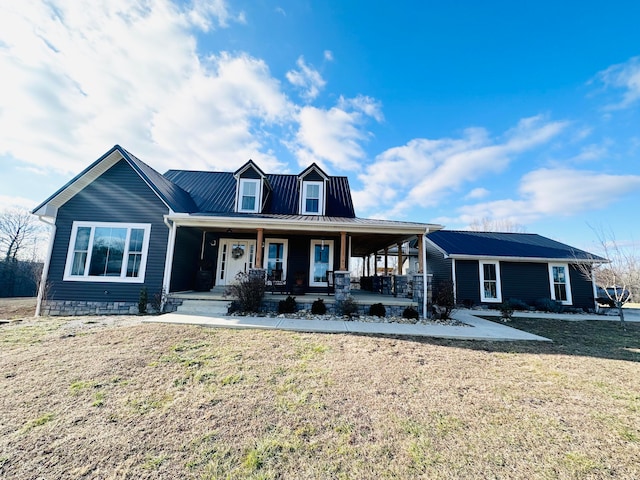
<point>10,202</point>
<point>557,192</point>
<point>477,193</point>
<point>334,135</point>
<point>307,79</point>
<point>328,55</point>
<point>427,169</point>
<point>624,76</point>
<point>77,80</point>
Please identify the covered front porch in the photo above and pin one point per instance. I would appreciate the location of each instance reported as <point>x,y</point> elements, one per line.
<point>305,255</point>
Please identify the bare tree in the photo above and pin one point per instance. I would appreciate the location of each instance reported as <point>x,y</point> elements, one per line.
<point>19,233</point>
<point>620,277</point>
<point>487,224</point>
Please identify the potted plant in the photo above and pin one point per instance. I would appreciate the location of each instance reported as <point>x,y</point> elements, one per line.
<point>204,276</point>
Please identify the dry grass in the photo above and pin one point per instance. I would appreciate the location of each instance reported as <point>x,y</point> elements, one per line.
<point>162,401</point>
<point>17,308</point>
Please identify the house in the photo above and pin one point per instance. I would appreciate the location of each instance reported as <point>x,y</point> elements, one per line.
<point>488,268</point>
<point>120,227</point>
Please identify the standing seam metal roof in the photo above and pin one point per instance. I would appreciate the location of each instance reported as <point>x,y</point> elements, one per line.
<point>494,244</point>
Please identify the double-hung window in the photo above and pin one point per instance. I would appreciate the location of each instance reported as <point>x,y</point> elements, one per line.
<point>560,283</point>
<point>313,198</point>
<point>490,290</point>
<point>107,252</point>
<point>249,195</point>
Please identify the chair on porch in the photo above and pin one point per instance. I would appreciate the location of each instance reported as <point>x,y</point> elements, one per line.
<point>276,282</point>
<point>330,283</point>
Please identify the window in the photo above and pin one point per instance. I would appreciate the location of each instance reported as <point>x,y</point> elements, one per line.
<point>490,290</point>
<point>313,198</point>
<point>276,256</point>
<point>321,262</point>
<point>249,196</point>
<point>107,252</point>
<point>560,284</point>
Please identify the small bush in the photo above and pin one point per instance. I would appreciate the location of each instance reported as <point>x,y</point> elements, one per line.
<point>377,310</point>
<point>318,307</point>
<point>410,312</point>
<point>234,307</point>
<point>444,300</point>
<point>288,306</point>
<point>248,289</point>
<point>506,309</point>
<point>518,305</point>
<point>158,300</point>
<point>548,305</point>
<point>142,300</point>
<point>349,307</point>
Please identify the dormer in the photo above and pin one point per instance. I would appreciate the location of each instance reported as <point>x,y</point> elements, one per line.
<point>252,188</point>
<point>313,191</point>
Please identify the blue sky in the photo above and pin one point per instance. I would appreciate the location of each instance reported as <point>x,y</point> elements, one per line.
<point>440,112</point>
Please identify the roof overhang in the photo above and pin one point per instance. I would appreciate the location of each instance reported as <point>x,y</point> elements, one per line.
<point>367,235</point>
<point>525,259</point>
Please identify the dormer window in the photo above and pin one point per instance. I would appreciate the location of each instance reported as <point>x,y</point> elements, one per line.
<point>252,189</point>
<point>313,198</point>
<point>248,201</point>
<point>313,191</point>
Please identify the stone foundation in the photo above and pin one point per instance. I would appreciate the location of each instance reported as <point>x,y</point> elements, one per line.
<point>73,307</point>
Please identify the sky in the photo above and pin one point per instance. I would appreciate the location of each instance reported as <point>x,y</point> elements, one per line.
<point>437,112</point>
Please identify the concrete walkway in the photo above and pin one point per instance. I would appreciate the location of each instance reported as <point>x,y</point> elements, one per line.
<point>477,329</point>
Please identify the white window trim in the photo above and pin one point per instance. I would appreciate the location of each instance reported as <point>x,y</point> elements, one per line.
<point>285,253</point>
<point>258,203</point>
<point>327,243</point>
<point>498,298</point>
<point>303,198</point>
<point>567,276</point>
<point>123,271</point>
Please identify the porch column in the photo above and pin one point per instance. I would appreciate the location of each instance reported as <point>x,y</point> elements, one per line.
<point>258,263</point>
<point>400,259</point>
<point>386,260</point>
<point>420,256</point>
<point>343,251</point>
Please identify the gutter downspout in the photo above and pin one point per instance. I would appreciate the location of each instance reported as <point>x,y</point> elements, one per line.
<point>424,273</point>
<point>45,267</point>
<point>166,279</point>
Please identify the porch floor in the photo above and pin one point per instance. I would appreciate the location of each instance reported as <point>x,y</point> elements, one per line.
<point>361,296</point>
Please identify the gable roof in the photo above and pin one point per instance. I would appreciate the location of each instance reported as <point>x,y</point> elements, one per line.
<point>466,244</point>
<point>171,195</point>
<point>315,167</point>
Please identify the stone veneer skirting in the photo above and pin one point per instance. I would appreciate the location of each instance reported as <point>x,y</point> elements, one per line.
<point>73,307</point>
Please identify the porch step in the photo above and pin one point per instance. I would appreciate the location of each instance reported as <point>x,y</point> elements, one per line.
<point>204,307</point>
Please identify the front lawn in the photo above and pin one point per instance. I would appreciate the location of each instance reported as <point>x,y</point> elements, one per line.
<point>166,401</point>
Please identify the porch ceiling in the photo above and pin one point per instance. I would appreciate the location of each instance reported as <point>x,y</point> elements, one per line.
<point>363,244</point>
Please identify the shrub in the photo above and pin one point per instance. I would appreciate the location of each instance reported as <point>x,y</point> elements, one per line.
<point>288,306</point>
<point>158,300</point>
<point>234,307</point>
<point>142,300</point>
<point>318,307</point>
<point>506,309</point>
<point>444,299</point>
<point>248,289</point>
<point>377,310</point>
<point>548,305</point>
<point>410,312</point>
<point>518,304</point>
<point>349,307</point>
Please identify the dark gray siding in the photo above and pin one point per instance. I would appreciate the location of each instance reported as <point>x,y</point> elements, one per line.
<point>581,289</point>
<point>119,195</point>
<point>437,265</point>
<point>186,256</point>
<point>526,281</point>
<point>467,281</point>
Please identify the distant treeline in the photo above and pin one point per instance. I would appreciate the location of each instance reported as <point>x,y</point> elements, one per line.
<point>19,278</point>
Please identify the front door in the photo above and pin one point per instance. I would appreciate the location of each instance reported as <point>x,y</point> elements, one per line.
<point>234,256</point>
